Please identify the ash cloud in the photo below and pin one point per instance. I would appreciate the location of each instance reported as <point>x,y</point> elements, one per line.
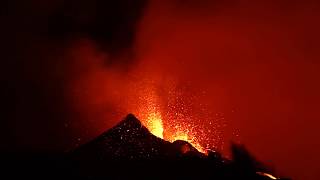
<point>257,63</point>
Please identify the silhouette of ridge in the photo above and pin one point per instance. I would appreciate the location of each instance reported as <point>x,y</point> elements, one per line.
<point>130,151</point>
<point>130,140</point>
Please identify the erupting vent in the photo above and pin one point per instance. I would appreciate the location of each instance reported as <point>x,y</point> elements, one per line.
<point>175,117</point>
<point>155,125</point>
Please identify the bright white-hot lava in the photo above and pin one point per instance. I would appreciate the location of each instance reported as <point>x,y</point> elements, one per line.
<point>154,124</point>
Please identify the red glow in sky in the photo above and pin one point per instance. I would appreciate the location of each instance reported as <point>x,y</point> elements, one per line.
<point>247,72</point>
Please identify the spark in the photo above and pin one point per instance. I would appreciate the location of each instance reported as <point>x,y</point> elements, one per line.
<point>266,175</point>
<point>176,113</point>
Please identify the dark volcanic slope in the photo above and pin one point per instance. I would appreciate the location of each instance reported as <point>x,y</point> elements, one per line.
<point>129,150</point>
<point>130,140</point>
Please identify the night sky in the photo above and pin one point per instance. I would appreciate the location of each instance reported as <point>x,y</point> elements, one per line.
<point>67,68</point>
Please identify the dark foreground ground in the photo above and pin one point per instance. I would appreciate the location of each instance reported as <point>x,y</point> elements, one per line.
<point>130,151</point>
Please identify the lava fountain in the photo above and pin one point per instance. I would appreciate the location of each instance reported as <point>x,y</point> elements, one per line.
<point>172,120</point>
<point>155,125</point>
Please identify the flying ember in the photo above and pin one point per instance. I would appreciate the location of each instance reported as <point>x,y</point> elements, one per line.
<point>155,125</point>
<point>173,113</point>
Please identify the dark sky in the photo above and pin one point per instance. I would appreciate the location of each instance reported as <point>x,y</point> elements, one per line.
<point>34,38</point>
<point>66,64</point>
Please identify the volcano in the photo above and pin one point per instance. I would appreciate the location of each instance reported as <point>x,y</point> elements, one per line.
<point>130,151</point>
<point>130,140</point>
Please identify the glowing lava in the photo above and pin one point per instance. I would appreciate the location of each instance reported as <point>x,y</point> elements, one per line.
<point>183,135</point>
<point>154,124</point>
<point>175,114</point>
